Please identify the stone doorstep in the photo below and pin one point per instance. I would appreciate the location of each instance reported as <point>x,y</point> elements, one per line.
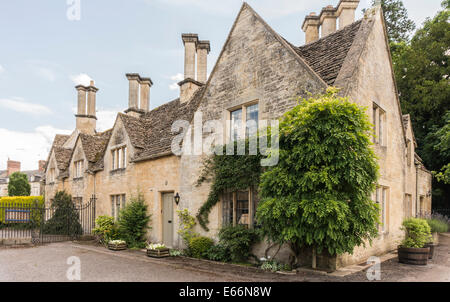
<point>355,268</point>
<point>445,234</point>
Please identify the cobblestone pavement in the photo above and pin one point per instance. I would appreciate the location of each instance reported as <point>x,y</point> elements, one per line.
<point>49,263</point>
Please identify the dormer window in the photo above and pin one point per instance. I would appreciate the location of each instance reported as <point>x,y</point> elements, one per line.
<point>78,169</point>
<point>51,175</point>
<point>379,122</point>
<point>119,158</point>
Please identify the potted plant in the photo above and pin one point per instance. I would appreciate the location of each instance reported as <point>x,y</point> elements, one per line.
<point>437,226</point>
<point>413,249</point>
<point>157,250</point>
<point>117,245</point>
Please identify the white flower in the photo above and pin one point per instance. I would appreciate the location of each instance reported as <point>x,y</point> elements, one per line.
<point>156,246</point>
<point>262,259</point>
<point>117,242</point>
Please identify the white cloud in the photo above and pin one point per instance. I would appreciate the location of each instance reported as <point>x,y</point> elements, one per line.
<point>177,78</point>
<point>20,105</point>
<point>27,147</point>
<point>106,119</point>
<point>174,86</point>
<point>81,79</point>
<point>46,74</point>
<point>2,69</point>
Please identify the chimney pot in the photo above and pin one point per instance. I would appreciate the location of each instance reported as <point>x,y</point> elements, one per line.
<point>328,18</point>
<point>133,92</point>
<point>145,85</point>
<point>190,47</point>
<point>346,12</point>
<point>203,49</point>
<point>311,26</point>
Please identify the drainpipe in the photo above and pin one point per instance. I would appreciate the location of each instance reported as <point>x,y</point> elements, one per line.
<point>417,192</point>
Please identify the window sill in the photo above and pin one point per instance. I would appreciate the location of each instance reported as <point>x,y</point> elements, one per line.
<point>117,171</point>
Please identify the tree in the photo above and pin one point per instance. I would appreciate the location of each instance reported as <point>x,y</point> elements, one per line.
<point>422,74</point>
<point>318,196</point>
<point>443,146</point>
<point>18,185</point>
<point>399,26</point>
<point>64,217</point>
<point>133,221</point>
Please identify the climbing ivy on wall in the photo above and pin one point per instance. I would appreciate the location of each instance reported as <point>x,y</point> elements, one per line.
<point>228,173</point>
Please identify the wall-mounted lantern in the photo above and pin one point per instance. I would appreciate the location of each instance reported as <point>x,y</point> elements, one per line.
<point>177,198</point>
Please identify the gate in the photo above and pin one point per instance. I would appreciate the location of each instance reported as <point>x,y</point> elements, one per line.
<point>40,224</point>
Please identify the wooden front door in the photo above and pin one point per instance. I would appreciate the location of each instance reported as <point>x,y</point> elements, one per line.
<point>167,215</point>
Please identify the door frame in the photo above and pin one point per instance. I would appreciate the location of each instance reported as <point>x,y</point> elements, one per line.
<point>161,215</point>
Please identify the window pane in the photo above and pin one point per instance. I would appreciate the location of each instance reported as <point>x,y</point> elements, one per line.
<point>124,157</point>
<point>113,159</point>
<point>113,207</point>
<point>242,208</point>
<point>123,201</point>
<point>236,124</point>
<point>380,123</point>
<point>227,209</point>
<point>252,120</point>
<point>255,203</point>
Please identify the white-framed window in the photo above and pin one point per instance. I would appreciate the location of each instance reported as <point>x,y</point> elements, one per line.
<point>118,202</point>
<point>119,158</point>
<point>382,199</point>
<point>51,175</point>
<point>239,207</point>
<point>379,125</point>
<point>78,169</point>
<point>244,121</point>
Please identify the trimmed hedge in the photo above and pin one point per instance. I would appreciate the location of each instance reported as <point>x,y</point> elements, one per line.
<point>17,202</point>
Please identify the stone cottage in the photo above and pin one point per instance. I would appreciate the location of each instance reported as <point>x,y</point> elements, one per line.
<point>257,76</point>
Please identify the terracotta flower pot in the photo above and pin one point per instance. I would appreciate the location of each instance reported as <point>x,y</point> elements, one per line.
<point>416,256</point>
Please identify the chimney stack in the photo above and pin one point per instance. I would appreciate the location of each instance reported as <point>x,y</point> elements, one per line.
<point>12,166</point>
<point>311,28</point>
<point>138,94</point>
<point>42,164</point>
<point>203,49</point>
<point>189,85</point>
<point>86,116</point>
<point>328,18</point>
<point>346,12</point>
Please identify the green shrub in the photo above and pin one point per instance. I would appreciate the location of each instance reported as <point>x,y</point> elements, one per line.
<point>65,219</point>
<point>274,266</point>
<point>437,226</point>
<point>105,229</point>
<point>418,233</point>
<point>220,253</point>
<point>238,241</point>
<point>199,246</point>
<point>133,222</point>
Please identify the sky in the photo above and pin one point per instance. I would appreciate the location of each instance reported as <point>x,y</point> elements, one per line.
<point>49,46</point>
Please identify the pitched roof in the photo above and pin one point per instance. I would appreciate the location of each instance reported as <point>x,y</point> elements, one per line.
<point>327,55</point>
<point>158,126</point>
<point>62,156</point>
<point>94,148</point>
